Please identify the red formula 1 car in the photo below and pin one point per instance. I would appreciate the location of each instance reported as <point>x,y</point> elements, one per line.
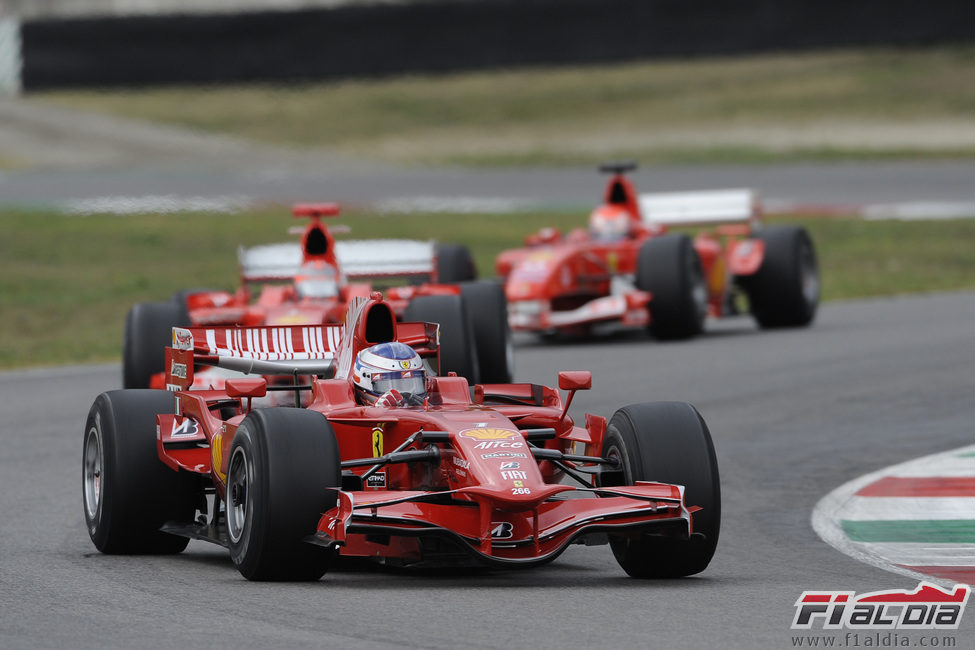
<point>626,269</point>
<point>497,474</point>
<point>313,282</point>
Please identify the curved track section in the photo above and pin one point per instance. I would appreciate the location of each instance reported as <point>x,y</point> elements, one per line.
<point>916,518</point>
<point>793,413</point>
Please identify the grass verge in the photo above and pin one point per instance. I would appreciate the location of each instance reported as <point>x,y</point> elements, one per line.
<point>68,280</point>
<point>825,105</point>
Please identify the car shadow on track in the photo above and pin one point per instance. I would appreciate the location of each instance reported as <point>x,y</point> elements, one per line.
<point>609,337</point>
<point>359,573</point>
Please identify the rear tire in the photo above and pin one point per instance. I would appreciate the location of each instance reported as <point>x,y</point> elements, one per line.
<point>127,491</point>
<point>148,329</point>
<point>487,310</point>
<point>458,351</point>
<point>784,292</point>
<point>282,476</point>
<point>667,442</point>
<point>455,264</point>
<point>670,269</point>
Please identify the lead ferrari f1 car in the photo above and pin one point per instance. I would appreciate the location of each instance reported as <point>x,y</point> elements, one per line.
<point>388,463</point>
<point>627,269</point>
<point>312,282</point>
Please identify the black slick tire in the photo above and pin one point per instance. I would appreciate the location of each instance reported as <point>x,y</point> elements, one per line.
<point>148,329</point>
<point>282,475</point>
<point>455,264</point>
<point>667,442</point>
<point>487,310</point>
<point>784,292</point>
<point>127,491</point>
<point>458,352</point>
<point>670,269</point>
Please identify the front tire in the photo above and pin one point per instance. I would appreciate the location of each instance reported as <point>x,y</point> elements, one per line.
<point>784,292</point>
<point>668,442</point>
<point>487,310</point>
<point>670,269</point>
<point>127,492</point>
<point>458,352</point>
<point>282,475</point>
<point>148,329</point>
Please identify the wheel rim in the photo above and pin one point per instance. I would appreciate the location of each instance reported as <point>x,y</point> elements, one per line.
<point>93,472</point>
<point>615,452</point>
<point>808,275</point>
<point>238,480</point>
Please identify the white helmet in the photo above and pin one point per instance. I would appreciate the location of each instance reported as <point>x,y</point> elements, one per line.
<point>609,223</point>
<point>389,366</point>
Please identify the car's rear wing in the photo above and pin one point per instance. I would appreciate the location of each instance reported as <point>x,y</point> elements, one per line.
<point>356,259</point>
<point>287,350</point>
<point>385,258</point>
<point>700,207</point>
<point>269,262</point>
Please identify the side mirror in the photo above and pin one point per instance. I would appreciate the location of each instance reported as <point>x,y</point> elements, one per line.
<point>575,380</point>
<point>246,387</point>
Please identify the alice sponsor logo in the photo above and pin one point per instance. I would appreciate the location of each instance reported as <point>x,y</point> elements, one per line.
<point>499,444</point>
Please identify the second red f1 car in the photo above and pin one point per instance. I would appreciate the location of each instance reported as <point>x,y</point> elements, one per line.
<point>627,269</point>
<point>312,282</point>
<point>388,463</point>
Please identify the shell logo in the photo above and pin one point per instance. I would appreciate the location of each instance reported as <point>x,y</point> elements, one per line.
<point>488,434</point>
<point>293,318</point>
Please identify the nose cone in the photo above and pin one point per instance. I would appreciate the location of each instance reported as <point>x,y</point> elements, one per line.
<point>502,468</point>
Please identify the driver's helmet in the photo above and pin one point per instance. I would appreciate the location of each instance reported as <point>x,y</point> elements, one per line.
<point>389,367</point>
<point>609,223</point>
<point>317,280</point>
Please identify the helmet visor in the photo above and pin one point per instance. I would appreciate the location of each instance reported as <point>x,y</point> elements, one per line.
<point>407,381</point>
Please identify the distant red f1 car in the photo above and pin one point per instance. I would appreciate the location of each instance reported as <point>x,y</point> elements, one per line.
<point>627,269</point>
<point>313,282</point>
<point>388,463</point>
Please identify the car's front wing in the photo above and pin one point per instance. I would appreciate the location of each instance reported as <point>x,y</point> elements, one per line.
<point>496,535</point>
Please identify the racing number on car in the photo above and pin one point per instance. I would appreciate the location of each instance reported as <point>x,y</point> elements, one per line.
<point>377,442</point>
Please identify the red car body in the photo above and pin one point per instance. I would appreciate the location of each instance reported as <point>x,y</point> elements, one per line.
<point>647,277</point>
<point>474,471</point>
<point>271,293</point>
<point>314,281</point>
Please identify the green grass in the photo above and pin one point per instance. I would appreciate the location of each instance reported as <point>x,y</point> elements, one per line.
<point>69,280</point>
<point>670,111</point>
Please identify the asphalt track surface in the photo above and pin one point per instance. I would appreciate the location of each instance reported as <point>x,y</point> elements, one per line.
<point>793,414</point>
<point>286,180</point>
